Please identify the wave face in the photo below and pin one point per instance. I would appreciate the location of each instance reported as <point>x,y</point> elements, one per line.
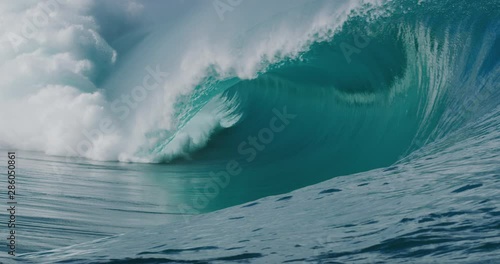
<point>382,86</point>
<point>299,94</point>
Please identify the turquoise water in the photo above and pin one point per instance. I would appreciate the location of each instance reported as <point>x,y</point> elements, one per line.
<point>313,132</point>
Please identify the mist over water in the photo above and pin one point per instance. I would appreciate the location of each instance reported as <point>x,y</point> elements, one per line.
<point>92,63</point>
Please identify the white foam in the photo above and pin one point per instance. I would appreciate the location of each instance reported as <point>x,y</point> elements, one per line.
<point>52,93</point>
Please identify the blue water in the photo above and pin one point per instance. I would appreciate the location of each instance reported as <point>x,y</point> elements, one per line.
<point>304,132</point>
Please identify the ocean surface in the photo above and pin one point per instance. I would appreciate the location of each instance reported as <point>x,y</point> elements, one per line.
<point>253,131</point>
